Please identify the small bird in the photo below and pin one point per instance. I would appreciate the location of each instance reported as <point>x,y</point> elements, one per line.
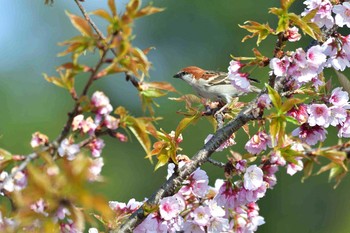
<point>212,85</point>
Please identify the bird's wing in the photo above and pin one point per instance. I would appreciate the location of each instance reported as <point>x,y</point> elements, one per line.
<point>216,78</point>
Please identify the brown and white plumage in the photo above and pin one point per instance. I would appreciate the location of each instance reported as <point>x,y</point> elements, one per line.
<point>211,84</point>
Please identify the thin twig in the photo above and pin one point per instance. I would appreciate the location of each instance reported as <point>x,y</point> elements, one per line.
<point>87,17</point>
<point>75,110</point>
<point>20,168</point>
<point>216,163</point>
<point>128,76</point>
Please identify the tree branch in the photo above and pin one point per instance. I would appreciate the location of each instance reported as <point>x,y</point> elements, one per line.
<point>169,187</point>
<point>75,110</point>
<point>216,163</point>
<point>128,76</point>
<point>20,168</point>
<point>87,17</point>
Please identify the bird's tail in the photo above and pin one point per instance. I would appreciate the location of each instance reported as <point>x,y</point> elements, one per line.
<point>254,80</point>
<point>255,89</point>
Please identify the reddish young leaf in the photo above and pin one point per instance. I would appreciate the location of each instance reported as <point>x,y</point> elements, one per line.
<point>81,24</point>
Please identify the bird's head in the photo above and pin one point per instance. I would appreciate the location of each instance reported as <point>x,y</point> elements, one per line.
<point>190,74</point>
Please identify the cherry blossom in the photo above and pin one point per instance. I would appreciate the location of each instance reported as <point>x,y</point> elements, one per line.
<point>151,224</point>
<point>170,207</point>
<point>339,97</point>
<point>258,143</point>
<point>111,122</point>
<point>86,126</point>
<point>68,149</point>
<point>323,16</point>
<point>310,134</point>
<point>101,102</point>
<point>320,115</point>
<point>253,177</point>
<point>96,146</point>
<point>201,215</point>
<point>264,101</point>
<point>234,67</point>
<point>38,139</point>
<point>95,169</point>
<point>342,16</point>
<point>240,81</point>
<point>197,184</point>
<point>344,130</point>
<point>280,66</point>
<point>292,34</point>
<point>293,168</point>
<point>299,113</point>
<point>39,207</point>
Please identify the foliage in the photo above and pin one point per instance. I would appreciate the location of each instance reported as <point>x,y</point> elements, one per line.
<point>296,94</point>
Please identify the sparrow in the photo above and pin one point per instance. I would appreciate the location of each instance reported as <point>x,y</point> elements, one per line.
<point>213,85</point>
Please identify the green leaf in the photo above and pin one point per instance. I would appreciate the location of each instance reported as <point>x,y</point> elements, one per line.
<point>289,104</point>
<point>54,80</point>
<point>337,173</point>
<point>344,81</point>
<point>308,167</point>
<point>138,128</point>
<point>152,93</point>
<point>283,19</point>
<point>257,29</point>
<point>310,15</point>
<point>277,130</point>
<point>303,25</point>
<point>283,24</point>
<point>285,4</point>
<point>337,157</point>
<point>184,123</point>
<point>292,120</point>
<point>6,158</point>
<point>163,159</point>
<point>78,45</point>
<point>274,96</point>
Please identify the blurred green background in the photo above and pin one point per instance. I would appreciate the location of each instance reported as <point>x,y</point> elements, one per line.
<point>197,32</point>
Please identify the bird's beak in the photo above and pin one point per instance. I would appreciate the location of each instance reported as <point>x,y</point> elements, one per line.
<point>176,75</point>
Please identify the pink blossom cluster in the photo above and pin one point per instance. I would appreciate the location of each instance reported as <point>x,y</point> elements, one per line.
<point>102,109</point>
<point>315,118</point>
<point>292,34</point>
<point>324,16</point>
<point>198,207</point>
<point>259,143</point>
<point>15,183</point>
<point>302,67</point>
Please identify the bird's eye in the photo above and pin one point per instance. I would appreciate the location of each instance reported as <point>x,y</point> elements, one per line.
<point>183,73</point>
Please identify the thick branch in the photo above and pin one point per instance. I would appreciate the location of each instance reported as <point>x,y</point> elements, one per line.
<point>169,188</point>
